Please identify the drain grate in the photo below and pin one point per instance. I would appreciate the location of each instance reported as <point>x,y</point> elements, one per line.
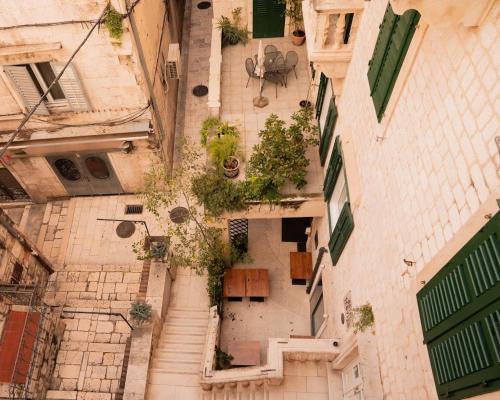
<point>200,90</point>
<point>179,215</point>
<point>134,208</point>
<point>203,5</point>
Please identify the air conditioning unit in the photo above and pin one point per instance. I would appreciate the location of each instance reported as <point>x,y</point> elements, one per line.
<point>173,63</point>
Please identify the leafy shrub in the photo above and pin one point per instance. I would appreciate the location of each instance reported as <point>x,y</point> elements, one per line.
<point>140,312</point>
<point>217,194</point>
<point>364,317</point>
<point>208,128</point>
<point>239,248</point>
<point>232,33</point>
<point>221,148</point>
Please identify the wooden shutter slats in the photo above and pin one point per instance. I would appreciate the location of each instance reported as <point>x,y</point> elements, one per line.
<point>72,87</point>
<point>326,137</point>
<point>460,314</point>
<point>341,232</point>
<point>25,87</point>
<point>323,80</point>
<point>333,171</point>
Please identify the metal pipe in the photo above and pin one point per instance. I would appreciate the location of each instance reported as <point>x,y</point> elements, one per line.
<point>116,314</point>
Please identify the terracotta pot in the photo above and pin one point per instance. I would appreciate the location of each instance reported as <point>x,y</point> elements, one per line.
<point>231,168</point>
<point>298,37</point>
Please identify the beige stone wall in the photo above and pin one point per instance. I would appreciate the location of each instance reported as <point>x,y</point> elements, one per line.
<point>416,180</point>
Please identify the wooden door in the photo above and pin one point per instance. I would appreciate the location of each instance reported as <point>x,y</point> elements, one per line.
<point>268,19</point>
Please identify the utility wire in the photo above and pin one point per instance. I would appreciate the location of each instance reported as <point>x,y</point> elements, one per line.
<point>42,98</point>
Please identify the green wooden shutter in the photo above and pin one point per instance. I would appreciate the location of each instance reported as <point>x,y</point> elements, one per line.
<point>460,315</point>
<point>268,19</point>
<point>390,50</point>
<point>334,167</point>
<point>326,136</point>
<point>323,80</point>
<point>341,233</point>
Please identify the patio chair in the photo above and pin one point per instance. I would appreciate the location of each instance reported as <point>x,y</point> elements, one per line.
<point>279,67</point>
<point>291,61</point>
<point>275,78</point>
<point>250,67</point>
<point>270,48</point>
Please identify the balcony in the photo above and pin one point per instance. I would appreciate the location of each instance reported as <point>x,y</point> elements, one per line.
<point>331,28</point>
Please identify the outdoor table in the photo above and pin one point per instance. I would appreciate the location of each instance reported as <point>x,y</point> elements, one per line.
<point>257,283</point>
<point>234,283</point>
<point>245,353</point>
<point>300,266</point>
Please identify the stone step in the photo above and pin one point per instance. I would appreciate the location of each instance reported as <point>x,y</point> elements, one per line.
<point>177,321</point>
<point>180,347</point>
<point>186,312</point>
<point>162,377</point>
<point>179,338</point>
<point>177,366</point>
<point>185,330</point>
<point>166,355</point>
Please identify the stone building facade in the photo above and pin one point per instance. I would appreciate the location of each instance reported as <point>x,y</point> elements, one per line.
<point>409,190</point>
<point>111,114</point>
<point>30,330</point>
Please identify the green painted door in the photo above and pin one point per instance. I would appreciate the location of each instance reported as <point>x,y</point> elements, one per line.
<point>268,19</point>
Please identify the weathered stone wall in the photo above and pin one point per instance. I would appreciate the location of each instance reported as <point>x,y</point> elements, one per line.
<point>416,181</point>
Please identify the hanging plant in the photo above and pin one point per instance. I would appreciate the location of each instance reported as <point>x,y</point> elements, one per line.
<point>113,21</point>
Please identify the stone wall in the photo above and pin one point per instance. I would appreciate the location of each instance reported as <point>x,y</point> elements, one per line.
<point>416,181</point>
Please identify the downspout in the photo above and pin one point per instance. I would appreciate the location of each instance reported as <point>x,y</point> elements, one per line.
<point>142,60</point>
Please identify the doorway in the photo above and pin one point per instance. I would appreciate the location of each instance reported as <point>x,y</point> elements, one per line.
<point>268,19</point>
<point>85,174</point>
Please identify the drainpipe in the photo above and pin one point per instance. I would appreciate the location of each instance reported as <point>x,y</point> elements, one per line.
<point>149,83</point>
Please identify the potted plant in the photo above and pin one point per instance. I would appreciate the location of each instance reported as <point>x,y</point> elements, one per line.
<point>232,33</point>
<point>222,151</point>
<point>140,312</point>
<point>293,10</point>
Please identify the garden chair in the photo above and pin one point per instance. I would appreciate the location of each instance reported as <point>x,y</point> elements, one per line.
<point>250,67</point>
<point>291,61</point>
<point>274,77</point>
<point>270,49</point>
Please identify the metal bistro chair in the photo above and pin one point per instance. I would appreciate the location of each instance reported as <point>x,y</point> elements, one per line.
<point>280,68</point>
<point>273,77</point>
<point>250,67</point>
<point>291,61</point>
<point>270,48</point>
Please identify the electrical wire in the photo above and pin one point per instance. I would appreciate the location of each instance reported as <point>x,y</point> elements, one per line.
<point>109,122</point>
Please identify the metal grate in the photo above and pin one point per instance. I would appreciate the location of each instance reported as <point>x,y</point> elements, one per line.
<point>238,227</point>
<point>200,90</point>
<point>134,208</point>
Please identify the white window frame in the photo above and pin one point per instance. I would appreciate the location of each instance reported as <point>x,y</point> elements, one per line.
<point>337,200</point>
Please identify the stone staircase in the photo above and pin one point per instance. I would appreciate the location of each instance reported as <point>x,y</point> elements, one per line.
<point>177,358</point>
<point>239,391</point>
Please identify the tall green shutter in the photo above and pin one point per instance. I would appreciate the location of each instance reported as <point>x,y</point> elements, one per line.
<point>326,136</point>
<point>390,50</point>
<point>334,167</point>
<point>323,81</point>
<point>460,315</point>
<point>341,232</point>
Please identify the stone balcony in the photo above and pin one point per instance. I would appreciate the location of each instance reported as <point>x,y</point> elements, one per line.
<point>331,28</point>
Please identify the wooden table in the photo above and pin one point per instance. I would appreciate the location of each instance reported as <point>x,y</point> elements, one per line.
<point>257,282</point>
<point>245,353</point>
<point>300,265</point>
<point>234,283</point>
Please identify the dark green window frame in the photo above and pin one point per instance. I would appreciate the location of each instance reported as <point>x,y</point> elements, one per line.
<point>323,83</point>
<point>345,223</point>
<point>460,315</point>
<point>394,38</point>
<point>327,134</point>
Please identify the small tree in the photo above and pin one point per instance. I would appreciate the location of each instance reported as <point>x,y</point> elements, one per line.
<point>140,312</point>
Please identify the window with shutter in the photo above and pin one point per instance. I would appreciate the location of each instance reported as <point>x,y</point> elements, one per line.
<point>460,315</point>
<point>25,87</point>
<point>333,171</point>
<point>323,80</point>
<point>341,232</point>
<point>394,38</point>
<point>326,136</point>
<point>72,87</point>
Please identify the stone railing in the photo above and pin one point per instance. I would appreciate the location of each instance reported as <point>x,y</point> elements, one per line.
<point>278,351</point>
<point>215,69</point>
<point>331,28</point>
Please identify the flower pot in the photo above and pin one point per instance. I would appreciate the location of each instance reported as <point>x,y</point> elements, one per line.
<point>298,37</point>
<point>231,168</point>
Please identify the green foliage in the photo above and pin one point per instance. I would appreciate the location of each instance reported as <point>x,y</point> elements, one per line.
<point>239,249</point>
<point>208,128</point>
<point>232,33</point>
<point>218,194</point>
<point>113,21</point>
<point>221,148</point>
<point>222,359</point>
<point>281,155</point>
<point>145,249</point>
<point>293,10</point>
<point>140,312</point>
<point>364,317</point>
